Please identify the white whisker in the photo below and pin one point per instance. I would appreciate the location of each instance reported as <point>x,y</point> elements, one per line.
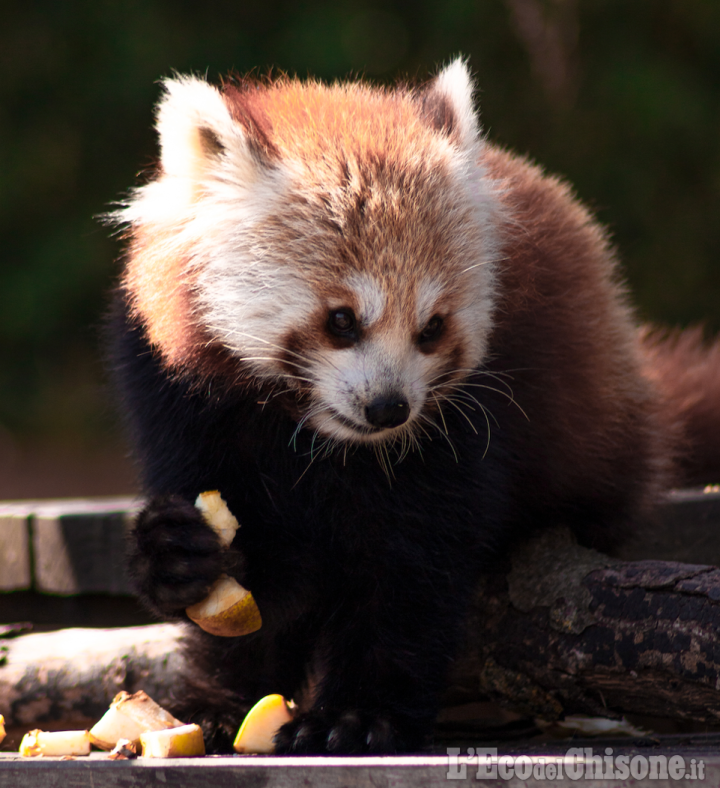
<point>427,419</point>
<point>462,413</point>
<point>484,262</point>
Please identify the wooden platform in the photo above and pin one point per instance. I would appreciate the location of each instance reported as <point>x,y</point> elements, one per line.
<point>697,766</point>
<point>62,563</point>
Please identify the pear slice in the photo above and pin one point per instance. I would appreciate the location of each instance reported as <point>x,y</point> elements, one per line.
<point>261,724</point>
<point>217,515</point>
<point>55,743</point>
<point>229,610</point>
<point>183,742</point>
<point>128,717</point>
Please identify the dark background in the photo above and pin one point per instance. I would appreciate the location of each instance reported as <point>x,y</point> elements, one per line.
<point>622,98</point>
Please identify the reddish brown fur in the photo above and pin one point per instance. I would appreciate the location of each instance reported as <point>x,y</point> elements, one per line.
<point>480,283</point>
<point>686,369</point>
<point>374,174</point>
<point>309,120</point>
<point>344,137</point>
<point>160,290</point>
<point>161,297</point>
<point>568,338</point>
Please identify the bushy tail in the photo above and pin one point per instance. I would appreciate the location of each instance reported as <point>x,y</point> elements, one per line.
<point>686,368</point>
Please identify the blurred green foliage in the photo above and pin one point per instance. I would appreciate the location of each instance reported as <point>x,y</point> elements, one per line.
<point>621,98</point>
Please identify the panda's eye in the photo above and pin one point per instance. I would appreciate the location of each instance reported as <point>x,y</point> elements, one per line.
<point>342,323</point>
<point>432,329</point>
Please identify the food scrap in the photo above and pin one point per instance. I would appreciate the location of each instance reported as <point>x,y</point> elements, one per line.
<point>55,743</point>
<point>124,750</point>
<point>128,717</point>
<point>183,742</point>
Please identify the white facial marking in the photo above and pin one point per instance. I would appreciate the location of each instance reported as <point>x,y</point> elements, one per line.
<point>370,295</point>
<point>250,305</point>
<point>428,293</point>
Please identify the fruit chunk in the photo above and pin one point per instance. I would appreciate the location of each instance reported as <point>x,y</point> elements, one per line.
<point>182,742</point>
<point>2,727</point>
<point>218,516</point>
<point>56,743</point>
<point>229,610</point>
<point>124,750</point>
<point>128,717</point>
<point>261,724</point>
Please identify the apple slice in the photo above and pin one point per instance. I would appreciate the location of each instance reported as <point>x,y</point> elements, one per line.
<point>229,610</point>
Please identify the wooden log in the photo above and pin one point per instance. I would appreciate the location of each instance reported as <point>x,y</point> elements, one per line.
<point>571,631</point>
<point>68,547</point>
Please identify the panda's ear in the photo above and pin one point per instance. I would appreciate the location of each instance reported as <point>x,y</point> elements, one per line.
<point>198,134</point>
<point>447,104</point>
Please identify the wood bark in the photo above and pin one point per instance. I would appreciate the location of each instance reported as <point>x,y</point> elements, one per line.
<point>570,631</point>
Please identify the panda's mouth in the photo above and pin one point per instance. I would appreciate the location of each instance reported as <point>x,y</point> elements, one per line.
<point>337,426</point>
<point>361,429</point>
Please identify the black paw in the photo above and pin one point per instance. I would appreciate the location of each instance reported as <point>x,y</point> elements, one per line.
<point>175,556</point>
<point>344,733</point>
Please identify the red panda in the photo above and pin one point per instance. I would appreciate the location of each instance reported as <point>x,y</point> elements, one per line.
<point>395,349</point>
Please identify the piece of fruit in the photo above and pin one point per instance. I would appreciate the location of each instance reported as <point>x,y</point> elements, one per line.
<point>128,717</point>
<point>124,750</point>
<point>229,610</point>
<point>261,724</point>
<point>2,727</point>
<point>218,516</point>
<point>55,743</point>
<point>183,742</point>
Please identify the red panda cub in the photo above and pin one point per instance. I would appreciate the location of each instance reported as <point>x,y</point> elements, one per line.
<point>394,349</point>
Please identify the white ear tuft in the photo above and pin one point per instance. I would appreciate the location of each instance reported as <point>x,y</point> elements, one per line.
<point>190,115</point>
<point>448,103</point>
<point>205,155</point>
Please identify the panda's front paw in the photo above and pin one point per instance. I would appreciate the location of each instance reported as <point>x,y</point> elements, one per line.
<point>175,556</point>
<point>348,732</point>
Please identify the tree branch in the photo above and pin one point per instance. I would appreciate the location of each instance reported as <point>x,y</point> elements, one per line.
<point>569,631</point>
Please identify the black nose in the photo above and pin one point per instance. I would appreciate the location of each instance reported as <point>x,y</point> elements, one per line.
<point>387,412</point>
